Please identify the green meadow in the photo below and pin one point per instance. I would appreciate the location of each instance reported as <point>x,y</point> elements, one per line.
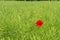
<point>17,20</point>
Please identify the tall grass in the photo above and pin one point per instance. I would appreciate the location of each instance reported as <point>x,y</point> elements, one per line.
<point>17,20</point>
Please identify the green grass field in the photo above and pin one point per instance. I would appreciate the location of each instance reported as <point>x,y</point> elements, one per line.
<point>17,20</point>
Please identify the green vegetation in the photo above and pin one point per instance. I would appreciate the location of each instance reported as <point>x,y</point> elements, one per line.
<point>17,20</point>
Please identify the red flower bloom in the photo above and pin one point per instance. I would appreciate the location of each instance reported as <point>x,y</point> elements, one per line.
<point>39,23</point>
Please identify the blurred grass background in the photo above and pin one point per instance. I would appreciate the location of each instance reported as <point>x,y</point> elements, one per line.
<point>17,20</point>
<point>29,0</point>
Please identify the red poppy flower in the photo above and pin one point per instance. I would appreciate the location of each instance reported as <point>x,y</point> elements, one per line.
<point>39,23</point>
